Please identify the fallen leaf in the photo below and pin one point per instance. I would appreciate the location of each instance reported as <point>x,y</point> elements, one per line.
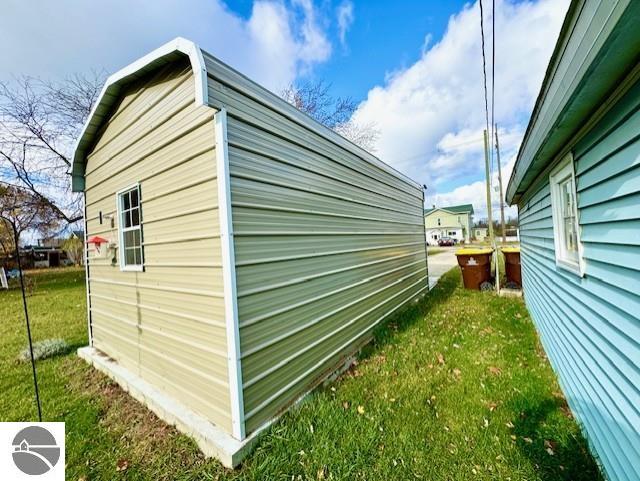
<point>440,359</point>
<point>345,404</point>
<point>457,372</point>
<point>528,440</point>
<point>566,411</point>
<point>122,465</point>
<point>492,406</point>
<point>550,451</point>
<point>360,409</point>
<point>510,425</point>
<point>496,371</point>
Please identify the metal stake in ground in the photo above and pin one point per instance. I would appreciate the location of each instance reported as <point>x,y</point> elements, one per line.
<point>26,314</point>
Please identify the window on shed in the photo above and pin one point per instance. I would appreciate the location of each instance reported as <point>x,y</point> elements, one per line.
<point>565,216</point>
<point>438,220</point>
<point>130,229</point>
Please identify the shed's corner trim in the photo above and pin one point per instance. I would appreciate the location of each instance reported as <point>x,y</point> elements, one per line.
<point>229,276</point>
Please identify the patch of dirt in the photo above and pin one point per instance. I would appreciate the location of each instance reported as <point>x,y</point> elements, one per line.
<point>120,414</point>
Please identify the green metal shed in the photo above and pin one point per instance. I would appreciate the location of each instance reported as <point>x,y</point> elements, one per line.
<point>239,252</point>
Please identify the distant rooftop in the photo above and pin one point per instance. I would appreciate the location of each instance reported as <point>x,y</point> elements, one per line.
<point>456,209</point>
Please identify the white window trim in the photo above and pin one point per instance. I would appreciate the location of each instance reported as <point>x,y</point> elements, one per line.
<point>564,169</point>
<point>123,267</point>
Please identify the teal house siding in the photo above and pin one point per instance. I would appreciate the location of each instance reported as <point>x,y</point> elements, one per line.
<point>588,318</point>
<point>590,326</point>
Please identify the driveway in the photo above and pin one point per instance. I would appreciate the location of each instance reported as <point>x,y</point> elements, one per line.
<point>441,263</point>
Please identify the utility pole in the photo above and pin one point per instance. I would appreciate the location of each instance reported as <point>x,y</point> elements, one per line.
<point>504,236</point>
<point>488,173</point>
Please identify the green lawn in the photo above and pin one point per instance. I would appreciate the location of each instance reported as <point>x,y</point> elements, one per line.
<point>455,388</point>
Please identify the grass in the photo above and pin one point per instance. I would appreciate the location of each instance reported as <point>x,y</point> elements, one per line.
<point>432,251</point>
<point>455,388</point>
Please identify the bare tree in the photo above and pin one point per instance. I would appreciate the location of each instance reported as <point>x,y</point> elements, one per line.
<point>27,211</point>
<point>39,122</point>
<point>315,99</point>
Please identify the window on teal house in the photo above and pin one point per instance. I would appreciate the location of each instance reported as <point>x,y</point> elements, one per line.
<point>564,207</point>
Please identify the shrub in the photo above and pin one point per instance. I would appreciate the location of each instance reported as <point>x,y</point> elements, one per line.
<point>45,349</point>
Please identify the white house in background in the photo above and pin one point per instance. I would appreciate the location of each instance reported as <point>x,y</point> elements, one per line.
<point>454,221</point>
<point>480,233</point>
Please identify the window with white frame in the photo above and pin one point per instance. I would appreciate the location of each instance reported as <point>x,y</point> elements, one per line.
<point>565,216</point>
<point>130,229</point>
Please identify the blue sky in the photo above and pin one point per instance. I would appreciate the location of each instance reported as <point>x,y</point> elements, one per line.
<point>384,37</point>
<point>414,66</point>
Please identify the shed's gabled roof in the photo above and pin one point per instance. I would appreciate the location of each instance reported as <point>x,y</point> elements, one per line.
<point>207,69</point>
<point>453,209</point>
<point>169,52</point>
<point>598,44</point>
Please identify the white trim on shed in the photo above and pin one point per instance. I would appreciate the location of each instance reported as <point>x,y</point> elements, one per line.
<point>109,94</point>
<point>229,276</point>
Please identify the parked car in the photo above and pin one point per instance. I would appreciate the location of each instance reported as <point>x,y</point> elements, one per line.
<point>446,241</point>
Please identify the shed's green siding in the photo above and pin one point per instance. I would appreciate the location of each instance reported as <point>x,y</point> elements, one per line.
<point>326,245</point>
<point>590,326</point>
<point>165,324</point>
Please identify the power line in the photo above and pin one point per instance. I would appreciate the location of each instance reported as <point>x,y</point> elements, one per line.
<point>484,67</point>
<point>493,74</point>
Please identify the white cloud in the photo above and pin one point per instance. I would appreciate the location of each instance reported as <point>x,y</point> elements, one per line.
<point>274,45</point>
<point>345,19</point>
<point>476,193</point>
<point>431,114</point>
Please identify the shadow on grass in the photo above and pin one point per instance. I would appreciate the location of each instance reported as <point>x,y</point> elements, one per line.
<point>411,314</point>
<point>556,455</point>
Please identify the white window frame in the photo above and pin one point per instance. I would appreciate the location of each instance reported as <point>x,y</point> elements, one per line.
<point>560,173</point>
<point>122,230</point>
